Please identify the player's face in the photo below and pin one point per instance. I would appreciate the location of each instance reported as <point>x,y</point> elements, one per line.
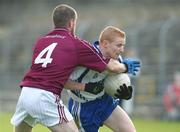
<point>115,48</point>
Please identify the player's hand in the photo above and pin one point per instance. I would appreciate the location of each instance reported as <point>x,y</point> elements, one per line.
<point>132,66</point>
<point>124,92</point>
<point>94,87</point>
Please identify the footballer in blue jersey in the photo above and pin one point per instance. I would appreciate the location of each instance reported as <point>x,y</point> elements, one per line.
<point>91,110</point>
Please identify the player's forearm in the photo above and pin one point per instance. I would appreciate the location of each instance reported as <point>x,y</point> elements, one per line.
<point>116,67</point>
<point>90,87</point>
<point>72,85</point>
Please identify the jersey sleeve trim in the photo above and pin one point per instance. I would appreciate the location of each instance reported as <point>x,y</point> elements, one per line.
<point>91,48</point>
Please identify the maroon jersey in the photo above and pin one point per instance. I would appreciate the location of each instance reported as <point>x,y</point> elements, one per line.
<point>54,58</point>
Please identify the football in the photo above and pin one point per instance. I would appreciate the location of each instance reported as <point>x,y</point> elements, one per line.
<point>112,83</point>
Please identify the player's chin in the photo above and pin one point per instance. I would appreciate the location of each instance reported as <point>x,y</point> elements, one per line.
<point>116,57</point>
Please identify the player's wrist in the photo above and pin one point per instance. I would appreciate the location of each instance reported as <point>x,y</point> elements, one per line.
<point>125,68</point>
<point>83,87</point>
<point>87,87</point>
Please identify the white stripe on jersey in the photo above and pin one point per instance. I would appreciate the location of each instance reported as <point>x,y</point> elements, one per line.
<point>75,111</point>
<point>91,76</point>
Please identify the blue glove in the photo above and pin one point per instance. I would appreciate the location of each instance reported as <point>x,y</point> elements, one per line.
<point>132,66</point>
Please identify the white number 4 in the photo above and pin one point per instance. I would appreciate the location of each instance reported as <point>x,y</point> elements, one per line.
<point>47,59</point>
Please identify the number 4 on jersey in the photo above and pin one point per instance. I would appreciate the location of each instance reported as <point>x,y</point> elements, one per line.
<point>48,51</point>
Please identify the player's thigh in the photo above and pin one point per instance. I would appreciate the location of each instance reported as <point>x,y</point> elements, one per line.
<point>23,127</point>
<point>120,121</point>
<point>65,127</point>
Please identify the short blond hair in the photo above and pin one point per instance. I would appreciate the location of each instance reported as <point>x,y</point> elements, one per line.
<point>110,32</point>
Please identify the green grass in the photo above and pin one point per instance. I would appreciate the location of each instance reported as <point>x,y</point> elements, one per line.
<point>156,126</point>
<point>5,125</point>
<point>141,125</point>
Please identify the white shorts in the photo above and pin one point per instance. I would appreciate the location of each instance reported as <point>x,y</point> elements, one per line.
<point>40,106</point>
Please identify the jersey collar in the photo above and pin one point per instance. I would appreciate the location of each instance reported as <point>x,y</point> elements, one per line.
<point>62,29</point>
<point>96,46</point>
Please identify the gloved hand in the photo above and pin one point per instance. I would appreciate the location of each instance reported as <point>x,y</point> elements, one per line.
<point>132,66</point>
<point>94,87</point>
<point>124,92</point>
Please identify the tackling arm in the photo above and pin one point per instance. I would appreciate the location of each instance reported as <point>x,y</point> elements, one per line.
<point>115,66</point>
<point>130,66</point>
<point>91,87</point>
<point>72,85</point>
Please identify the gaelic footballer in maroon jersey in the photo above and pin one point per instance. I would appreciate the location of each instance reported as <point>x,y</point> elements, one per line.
<point>54,58</point>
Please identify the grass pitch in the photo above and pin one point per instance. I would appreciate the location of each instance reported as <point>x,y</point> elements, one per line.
<point>140,124</point>
<point>5,125</point>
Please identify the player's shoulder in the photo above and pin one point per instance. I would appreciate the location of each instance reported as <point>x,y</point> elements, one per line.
<point>83,44</point>
<point>81,41</point>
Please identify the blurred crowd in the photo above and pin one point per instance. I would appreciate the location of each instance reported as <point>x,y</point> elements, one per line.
<point>171,99</point>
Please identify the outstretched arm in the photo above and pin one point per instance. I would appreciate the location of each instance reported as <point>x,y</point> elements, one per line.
<point>116,67</point>
<point>130,66</point>
<point>72,85</point>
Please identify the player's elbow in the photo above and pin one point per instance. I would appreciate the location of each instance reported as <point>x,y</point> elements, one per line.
<point>113,69</point>
<point>127,128</point>
<point>116,67</point>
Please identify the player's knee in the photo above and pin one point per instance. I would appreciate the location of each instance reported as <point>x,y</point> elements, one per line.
<point>23,127</point>
<point>73,129</point>
<point>127,128</point>
<point>132,129</point>
<point>65,127</point>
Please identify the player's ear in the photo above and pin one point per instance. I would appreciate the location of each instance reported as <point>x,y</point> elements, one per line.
<point>71,23</point>
<point>105,43</point>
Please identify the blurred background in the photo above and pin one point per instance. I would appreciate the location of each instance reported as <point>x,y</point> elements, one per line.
<point>153,36</point>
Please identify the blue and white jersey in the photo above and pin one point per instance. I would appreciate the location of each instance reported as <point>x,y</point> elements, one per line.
<point>85,75</point>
